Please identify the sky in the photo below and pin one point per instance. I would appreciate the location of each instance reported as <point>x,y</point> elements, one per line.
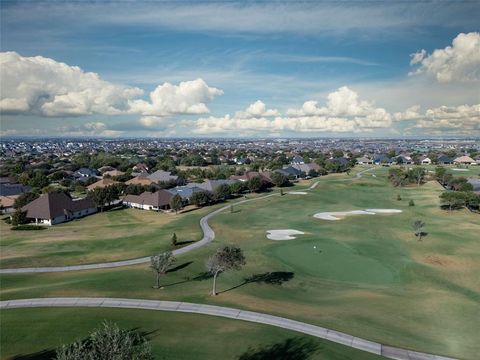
<point>240,69</point>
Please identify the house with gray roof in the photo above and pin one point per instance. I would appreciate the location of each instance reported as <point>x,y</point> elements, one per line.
<point>162,176</point>
<point>156,201</point>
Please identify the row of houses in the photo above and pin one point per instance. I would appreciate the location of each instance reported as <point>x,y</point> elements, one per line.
<point>424,160</point>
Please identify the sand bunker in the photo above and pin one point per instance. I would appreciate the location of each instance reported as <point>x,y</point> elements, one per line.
<point>341,214</point>
<point>297,192</point>
<point>285,234</point>
<point>460,169</point>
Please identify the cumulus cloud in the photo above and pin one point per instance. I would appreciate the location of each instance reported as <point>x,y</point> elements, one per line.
<point>344,112</point>
<point>463,119</point>
<point>459,62</point>
<point>45,87</point>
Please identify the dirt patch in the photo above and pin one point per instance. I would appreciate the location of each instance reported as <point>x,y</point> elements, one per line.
<point>439,261</point>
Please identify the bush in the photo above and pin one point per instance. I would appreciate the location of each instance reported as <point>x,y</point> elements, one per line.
<point>28,227</point>
<point>399,197</point>
<point>411,203</point>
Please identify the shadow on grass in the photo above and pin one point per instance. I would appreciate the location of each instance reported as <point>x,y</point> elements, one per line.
<point>199,277</point>
<point>39,355</point>
<point>273,278</point>
<point>180,243</point>
<point>290,349</point>
<point>179,267</point>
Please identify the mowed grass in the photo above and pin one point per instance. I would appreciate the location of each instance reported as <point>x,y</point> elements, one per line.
<point>372,278</point>
<point>171,335</point>
<point>108,236</point>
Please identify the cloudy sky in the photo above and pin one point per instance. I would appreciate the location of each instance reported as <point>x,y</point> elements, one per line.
<point>230,69</point>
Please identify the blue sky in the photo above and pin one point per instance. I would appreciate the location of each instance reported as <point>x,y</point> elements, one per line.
<point>283,54</point>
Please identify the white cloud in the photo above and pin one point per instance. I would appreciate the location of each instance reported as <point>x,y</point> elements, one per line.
<point>459,62</point>
<point>450,119</point>
<point>344,112</point>
<point>45,87</point>
<point>257,110</point>
<point>189,97</point>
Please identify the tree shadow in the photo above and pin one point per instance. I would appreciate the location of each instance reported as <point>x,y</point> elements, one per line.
<point>273,278</point>
<point>200,277</point>
<point>421,235</point>
<point>47,354</point>
<point>179,267</point>
<point>186,242</point>
<point>290,349</point>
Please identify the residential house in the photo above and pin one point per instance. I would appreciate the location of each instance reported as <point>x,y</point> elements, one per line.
<point>364,161</point>
<point>113,173</point>
<point>140,168</point>
<point>103,183</point>
<point>156,201</point>
<point>290,172</point>
<point>264,175</point>
<point>306,168</point>
<point>85,173</point>
<point>211,185</point>
<point>444,160</point>
<point>464,160</point>
<point>297,160</point>
<point>7,189</point>
<point>185,192</point>
<point>57,207</point>
<point>162,176</point>
<point>383,159</point>
<point>140,180</point>
<point>404,159</point>
<point>6,203</point>
<point>476,185</point>
<point>425,160</point>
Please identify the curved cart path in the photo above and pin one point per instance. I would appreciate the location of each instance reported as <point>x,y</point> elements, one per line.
<point>317,331</point>
<point>208,236</point>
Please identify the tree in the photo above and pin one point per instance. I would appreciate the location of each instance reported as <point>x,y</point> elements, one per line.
<point>418,174</point>
<point>222,192</point>
<point>108,342</point>
<point>160,264</point>
<point>176,203</point>
<point>453,199</point>
<point>24,199</point>
<point>255,184</point>
<point>418,226</point>
<point>237,188</point>
<point>279,179</point>
<point>225,259</point>
<point>39,180</point>
<point>174,239</point>
<point>399,197</point>
<point>19,217</point>
<point>411,203</point>
<point>440,174</point>
<point>199,198</point>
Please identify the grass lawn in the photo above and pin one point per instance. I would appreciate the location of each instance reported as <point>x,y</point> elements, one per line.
<point>172,336</point>
<point>372,278</point>
<point>109,236</point>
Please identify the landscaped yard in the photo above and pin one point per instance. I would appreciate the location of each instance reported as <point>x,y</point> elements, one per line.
<point>367,275</point>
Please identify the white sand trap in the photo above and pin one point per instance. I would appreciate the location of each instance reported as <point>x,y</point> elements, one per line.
<point>460,169</point>
<point>297,192</point>
<point>340,214</point>
<point>285,234</point>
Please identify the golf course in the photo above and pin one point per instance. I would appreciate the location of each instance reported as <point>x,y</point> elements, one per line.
<point>365,274</point>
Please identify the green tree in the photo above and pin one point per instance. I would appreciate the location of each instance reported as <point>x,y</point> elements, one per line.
<point>225,259</point>
<point>160,264</point>
<point>199,198</point>
<point>255,184</point>
<point>108,342</point>
<point>222,192</point>
<point>176,203</point>
<point>418,227</point>
<point>411,203</point>
<point>174,239</point>
<point>19,217</point>
<point>279,179</point>
<point>440,174</point>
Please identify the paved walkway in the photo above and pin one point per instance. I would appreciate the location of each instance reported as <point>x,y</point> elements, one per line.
<point>317,331</point>
<point>208,236</point>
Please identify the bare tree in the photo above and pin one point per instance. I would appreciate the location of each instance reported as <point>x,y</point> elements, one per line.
<point>225,259</point>
<point>160,264</point>
<point>418,226</point>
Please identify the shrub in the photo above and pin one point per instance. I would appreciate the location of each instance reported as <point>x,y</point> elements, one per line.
<point>399,197</point>
<point>28,227</point>
<point>411,203</point>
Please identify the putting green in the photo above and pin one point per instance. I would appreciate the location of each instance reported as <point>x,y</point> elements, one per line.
<point>332,260</point>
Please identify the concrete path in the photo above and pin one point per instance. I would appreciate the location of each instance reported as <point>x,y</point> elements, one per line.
<point>208,236</point>
<point>317,331</point>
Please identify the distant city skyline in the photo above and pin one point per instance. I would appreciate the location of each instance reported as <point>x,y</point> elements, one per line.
<point>232,69</point>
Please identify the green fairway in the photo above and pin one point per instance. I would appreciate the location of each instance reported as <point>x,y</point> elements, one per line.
<point>172,336</point>
<point>114,235</point>
<point>372,279</point>
<point>324,259</point>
